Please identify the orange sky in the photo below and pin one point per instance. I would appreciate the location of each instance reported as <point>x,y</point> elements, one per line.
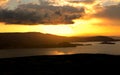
<point>86,26</point>
<point>80,28</point>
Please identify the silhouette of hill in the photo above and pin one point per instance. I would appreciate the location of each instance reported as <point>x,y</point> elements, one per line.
<point>94,38</point>
<point>28,40</point>
<point>53,65</point>
<point>38,40</point>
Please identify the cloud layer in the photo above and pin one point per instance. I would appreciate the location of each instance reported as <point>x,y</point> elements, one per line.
<point>45,13</point>
<point>40,14</point>
<point>82,1</point>
<point>110,12</point>
<point>3,2</point>
<point>48,12</point>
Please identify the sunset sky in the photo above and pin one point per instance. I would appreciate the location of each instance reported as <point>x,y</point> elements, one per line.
<point>61,17</point>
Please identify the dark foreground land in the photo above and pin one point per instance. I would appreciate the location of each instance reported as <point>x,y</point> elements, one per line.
<point>53,65</point>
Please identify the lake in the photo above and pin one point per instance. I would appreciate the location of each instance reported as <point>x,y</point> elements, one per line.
<point>113,49</point>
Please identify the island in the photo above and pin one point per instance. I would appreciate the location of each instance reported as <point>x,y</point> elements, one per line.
<point>39,40</point>
<point>107,42</point>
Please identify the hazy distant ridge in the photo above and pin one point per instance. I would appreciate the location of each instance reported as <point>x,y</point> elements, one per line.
<point>38,40</point>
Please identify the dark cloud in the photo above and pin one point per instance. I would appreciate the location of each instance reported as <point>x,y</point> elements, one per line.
<point>18,17</point>
<point>110,12</point>
<point>40,14</point>
<point>82,1</point>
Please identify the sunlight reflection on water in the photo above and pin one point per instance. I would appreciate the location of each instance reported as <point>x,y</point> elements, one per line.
<point>94,48</point>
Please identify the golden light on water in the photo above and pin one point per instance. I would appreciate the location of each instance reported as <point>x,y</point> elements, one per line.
<point>57,53</point>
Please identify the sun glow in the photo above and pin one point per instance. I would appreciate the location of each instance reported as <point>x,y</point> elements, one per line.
<point>80,27</point>
<point>63,30</point>
<point>86,25</point>
<point>83,27</point>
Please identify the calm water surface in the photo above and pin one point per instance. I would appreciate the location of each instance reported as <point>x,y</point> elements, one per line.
<point>94,48</point>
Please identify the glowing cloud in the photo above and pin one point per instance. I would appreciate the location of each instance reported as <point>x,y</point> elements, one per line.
<point>65,17</point>
<point>3,3</point>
